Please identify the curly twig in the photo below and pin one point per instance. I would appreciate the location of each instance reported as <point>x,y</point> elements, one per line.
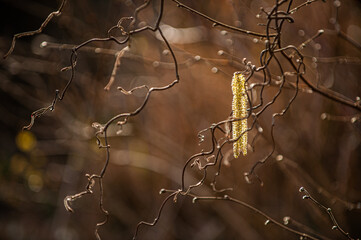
<point>39,30</point>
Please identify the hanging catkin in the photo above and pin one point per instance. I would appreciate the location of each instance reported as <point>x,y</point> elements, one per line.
<point>239,108</point>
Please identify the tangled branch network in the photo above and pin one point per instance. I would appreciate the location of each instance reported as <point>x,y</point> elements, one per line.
<point>280,67</point>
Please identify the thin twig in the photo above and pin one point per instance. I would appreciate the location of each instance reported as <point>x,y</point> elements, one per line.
<point>39,30</point>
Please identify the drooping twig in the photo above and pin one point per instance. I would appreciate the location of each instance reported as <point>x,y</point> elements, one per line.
<point>39,30</point>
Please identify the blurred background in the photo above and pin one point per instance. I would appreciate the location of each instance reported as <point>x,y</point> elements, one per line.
<point>317,141</point>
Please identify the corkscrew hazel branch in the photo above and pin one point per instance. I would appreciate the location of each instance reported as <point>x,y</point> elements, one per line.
<point>216,22</point>
<point>39,30</point>
<point>88,190</point>
<point>328,210</point>
<point>102,128</point>
<point>156,219</point>
<point>73,59</point>
<point>58,96</point>
<point>300,71</point>
<point>272,46</point>
<point>256,210</point>
<point>324,91</point>
<point>195,198</point>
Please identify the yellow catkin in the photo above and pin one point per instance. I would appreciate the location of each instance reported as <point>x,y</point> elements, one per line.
<point>239,108</point>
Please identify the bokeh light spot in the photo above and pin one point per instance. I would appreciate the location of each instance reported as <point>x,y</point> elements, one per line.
<point>18,164</point>
<point>25,141</point>
<point>35,182</point>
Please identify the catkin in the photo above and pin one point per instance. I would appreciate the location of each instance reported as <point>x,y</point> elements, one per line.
<point>239,108</point>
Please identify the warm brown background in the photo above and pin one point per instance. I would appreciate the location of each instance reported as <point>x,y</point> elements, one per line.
<point>39,168</point>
